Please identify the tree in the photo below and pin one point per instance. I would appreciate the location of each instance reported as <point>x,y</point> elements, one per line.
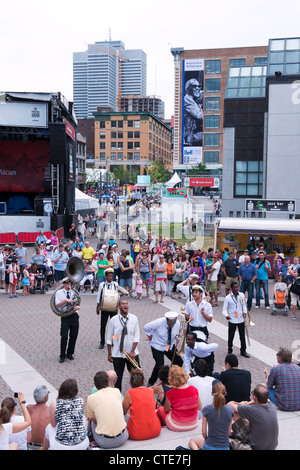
<point>159,174</point>
<point>199,169</point>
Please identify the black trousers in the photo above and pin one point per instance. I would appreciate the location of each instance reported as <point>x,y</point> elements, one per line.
<point>159,357</point>
<point>119,364</point>
<point>103,322</point>
<point>210,361</point>
<point>231,332</point>
<point>68,331</point>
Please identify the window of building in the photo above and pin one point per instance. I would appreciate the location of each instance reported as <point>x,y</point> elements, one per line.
<point>211,140</point>
<point>113,145</point>
<point>137,145</point>
<point>113,156</point>
<point>212,85</point>
<point>113,135</point>
<point>130,145</point>
<point>130,123</point>
<point>120,124</point>
<point>102,145</point>
<point>130,156</point>
<point>102,124</point>
<point>211,157</point>
<point>260,61</point>
<point>120,145</point>
<point>137,134</point>
<point>130,135</point>
<point>120,155</point>
<point>102,155</point>
<point>248,178</point>
<point>237,62</point>
<point>212,66</point>
<point>102,135</point>
<point>212,121</point>
<point>120,135</point>
<point>136,155</point>
<point>113,124</point>
<point>212,103</point>
<point>137,124</point>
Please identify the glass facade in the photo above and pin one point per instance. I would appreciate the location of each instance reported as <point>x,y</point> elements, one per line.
<point>284,56</point>
<point>246,82</point>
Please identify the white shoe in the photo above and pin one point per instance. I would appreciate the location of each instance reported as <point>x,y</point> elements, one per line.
<point>268,308</point>
<point>256,306</point>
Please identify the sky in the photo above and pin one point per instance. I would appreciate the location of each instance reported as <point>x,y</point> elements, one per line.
<point>38,40</point>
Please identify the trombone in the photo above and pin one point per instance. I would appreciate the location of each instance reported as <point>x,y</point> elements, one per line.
<point>132,360</point>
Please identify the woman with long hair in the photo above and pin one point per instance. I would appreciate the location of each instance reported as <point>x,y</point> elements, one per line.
<point>216,422</point>
<point>9,428</point>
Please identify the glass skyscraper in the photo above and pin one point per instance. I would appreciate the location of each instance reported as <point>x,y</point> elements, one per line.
<point>104,73</point>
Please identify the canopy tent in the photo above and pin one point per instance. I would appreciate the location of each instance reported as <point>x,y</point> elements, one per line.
<point>85,202</point>
<point>173,181</point>
<point>259,226</point>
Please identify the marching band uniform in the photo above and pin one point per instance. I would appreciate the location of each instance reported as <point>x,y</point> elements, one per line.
<point>201,350</point>
<point>105,315</point>
<point>235,311</point>
<point>162,333</point>
<point>194,310</point>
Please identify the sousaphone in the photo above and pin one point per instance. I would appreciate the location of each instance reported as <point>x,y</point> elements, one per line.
<point>75,272</point>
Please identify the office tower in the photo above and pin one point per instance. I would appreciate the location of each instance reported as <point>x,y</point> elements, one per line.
<point>104,73</point>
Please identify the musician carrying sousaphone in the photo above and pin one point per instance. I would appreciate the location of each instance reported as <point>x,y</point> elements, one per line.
<point>107,301</point>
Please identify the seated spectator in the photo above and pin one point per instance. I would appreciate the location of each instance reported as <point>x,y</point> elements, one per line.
<point>180,412</point>
<point>19,438</point>
<point>139,402</point>
<point>216,422</point>
<point>67,428</point>
<point>203,383</point>
<point>237,381</point>
<point>163,386</point>
<point>8,428</point>
<point>261,415</point>
<point>283,382</point>
<point>105,413</point>
<point>40,417</point>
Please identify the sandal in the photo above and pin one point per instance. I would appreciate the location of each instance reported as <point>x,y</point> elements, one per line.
<point>155,301</point>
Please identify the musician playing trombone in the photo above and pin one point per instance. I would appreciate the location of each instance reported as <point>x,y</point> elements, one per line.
<point>123,334</point>
<point>235,311</point>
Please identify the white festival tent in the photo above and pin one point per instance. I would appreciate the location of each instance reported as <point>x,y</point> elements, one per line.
<point>173,181</point>
<point>85,202</point>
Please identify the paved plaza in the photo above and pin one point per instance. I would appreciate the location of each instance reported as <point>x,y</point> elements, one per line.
<point>30,339</point>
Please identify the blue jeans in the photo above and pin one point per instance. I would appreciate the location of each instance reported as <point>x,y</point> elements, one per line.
<point>262,283</point>
<point>248,286</point>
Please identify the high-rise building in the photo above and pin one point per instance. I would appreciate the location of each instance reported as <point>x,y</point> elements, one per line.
<point>104,73</point>
<point>140,104</point>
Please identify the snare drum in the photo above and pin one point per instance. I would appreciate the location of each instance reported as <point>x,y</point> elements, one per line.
<point>109,300</point>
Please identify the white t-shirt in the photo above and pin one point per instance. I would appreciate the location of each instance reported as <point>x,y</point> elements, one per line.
<point>19,437</point>
<point>216,266</point>
<point>5,432</point>
<point>204,387</point>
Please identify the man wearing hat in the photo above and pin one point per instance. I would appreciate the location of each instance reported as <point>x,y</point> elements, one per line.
<point>198,311</point>
<point>161,334</point>
<point>186,286</point>
<point>108,283</point>
<point>70,324</point>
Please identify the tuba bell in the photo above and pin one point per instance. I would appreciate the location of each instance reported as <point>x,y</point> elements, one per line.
<point>75,272</point>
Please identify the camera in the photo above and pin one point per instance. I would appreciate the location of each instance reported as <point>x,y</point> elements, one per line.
<point>16,394</point>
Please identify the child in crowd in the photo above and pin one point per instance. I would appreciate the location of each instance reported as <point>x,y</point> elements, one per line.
<point>13,271</point>
<point>139,286</point>
<point>25,281</point>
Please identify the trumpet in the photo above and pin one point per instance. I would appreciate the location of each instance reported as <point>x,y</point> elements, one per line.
<point>132,360</point>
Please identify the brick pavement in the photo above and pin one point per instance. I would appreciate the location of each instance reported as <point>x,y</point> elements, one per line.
<point>32,330</point>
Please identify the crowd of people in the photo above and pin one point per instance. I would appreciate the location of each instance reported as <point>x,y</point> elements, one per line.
<point>176,395</point>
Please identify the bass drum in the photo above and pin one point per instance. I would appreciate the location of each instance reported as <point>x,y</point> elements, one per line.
<point>109,300</point>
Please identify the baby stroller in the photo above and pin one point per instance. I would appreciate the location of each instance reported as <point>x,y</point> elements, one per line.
<point>41,283</point>
<point>280,298</point>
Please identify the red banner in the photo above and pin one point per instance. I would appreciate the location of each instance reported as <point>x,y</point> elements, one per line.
<point>25,167</point>
<point>204,182</point>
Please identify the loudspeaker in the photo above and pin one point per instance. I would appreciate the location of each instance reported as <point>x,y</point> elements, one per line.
<point>57,133</point>
<point>39,206</point>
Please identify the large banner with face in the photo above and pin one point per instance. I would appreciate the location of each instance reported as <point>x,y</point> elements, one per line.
<point>192,111</point>
<point>25,167</point>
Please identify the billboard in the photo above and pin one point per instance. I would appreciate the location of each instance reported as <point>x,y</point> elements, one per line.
<point>25,167</point>
<point>192,111</point>
<point>23,114</point>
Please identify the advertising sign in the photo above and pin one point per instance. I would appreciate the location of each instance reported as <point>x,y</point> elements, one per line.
<point>143,180</point>
<point>23,114</point>
<point>266,205</point>
<point>184,193</point>
<point>192,111</point>
<point>204,182</point>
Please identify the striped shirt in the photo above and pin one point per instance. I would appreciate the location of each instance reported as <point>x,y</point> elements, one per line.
<point>285,378</point>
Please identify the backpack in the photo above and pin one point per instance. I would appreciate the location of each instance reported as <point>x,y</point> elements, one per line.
<point>295,287</point>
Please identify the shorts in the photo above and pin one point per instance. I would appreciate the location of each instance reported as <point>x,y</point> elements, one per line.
<point>145,276</point>
<point>206,447</point>
<point>125,282</point>
<point>212,286</point>
<point>160,285</point>
<point>229,280</point>
<point>59,275</point>
<point>294,298</point>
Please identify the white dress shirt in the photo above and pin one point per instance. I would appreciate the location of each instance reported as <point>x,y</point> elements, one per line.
<point>159,329</point>
<point>191,309</point>
<point>61,295</point>
<point>235,307</point>
<point>114,332</point>
<point>200,350</point>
